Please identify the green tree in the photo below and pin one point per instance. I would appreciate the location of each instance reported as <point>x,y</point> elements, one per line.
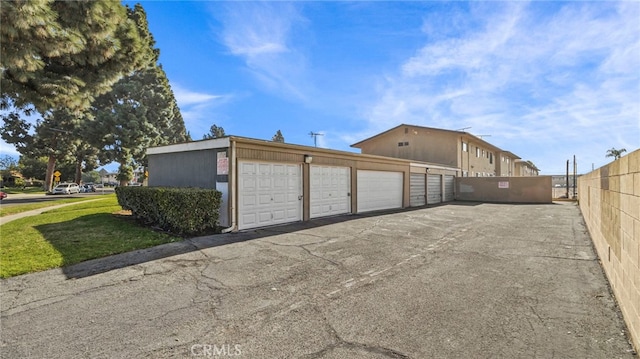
<point>8,165</point>
<point>125,174</point>
<point>52,137</point>
<point>67,168</point>
<point>85,158</point>
<point>33,167</point>
<point>91,177</point>
<point>214,132</point>
<point>63,53</point>
<point>140,111</point>
<point>278,137</point>
<point>57,56</point>
<point>616,154</point>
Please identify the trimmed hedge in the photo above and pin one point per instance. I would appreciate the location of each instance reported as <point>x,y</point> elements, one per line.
<point>185,211</point>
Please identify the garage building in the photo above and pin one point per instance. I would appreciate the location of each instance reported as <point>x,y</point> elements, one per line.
<point>267,183</point>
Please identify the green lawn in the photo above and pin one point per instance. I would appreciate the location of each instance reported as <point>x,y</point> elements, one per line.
<point>69,235</point>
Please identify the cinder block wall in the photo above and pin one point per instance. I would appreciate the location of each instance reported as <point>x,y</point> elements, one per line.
<point>610,204</point>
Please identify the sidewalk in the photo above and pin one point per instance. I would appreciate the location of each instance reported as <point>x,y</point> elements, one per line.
<point>35,212</point>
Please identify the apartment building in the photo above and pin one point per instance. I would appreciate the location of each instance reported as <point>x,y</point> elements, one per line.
<point>526,168</point>
<point>473,156</point>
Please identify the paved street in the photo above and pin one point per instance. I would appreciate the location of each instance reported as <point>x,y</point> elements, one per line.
<point>453,281</point>
<point>16,199</point>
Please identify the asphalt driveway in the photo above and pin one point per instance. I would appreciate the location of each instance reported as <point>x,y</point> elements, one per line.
<point>453,281</point>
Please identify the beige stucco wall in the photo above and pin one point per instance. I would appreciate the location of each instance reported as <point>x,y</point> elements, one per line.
<point>435,146</point>
<point>506,165</point>
<point>504,189</point>
<point>479,160</point>
<point>609,199</point>
<point>418,144</point>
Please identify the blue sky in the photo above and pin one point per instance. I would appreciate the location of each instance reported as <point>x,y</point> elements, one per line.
<point>545,80</point>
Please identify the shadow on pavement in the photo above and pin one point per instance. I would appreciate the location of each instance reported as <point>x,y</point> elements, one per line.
<point>117,261</point>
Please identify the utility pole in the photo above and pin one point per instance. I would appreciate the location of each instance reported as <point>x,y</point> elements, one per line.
<point>575,180</point>
<point>315,137</point>
<point>567,179</point>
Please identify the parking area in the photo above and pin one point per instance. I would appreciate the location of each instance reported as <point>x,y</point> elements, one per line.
<point>457,280</point>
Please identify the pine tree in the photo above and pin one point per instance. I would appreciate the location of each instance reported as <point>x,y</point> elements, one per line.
<point>214,132</point>
<point>61,54</point>
<point>33,167</point>
<point>57,56</point>
<point>278,137</point>
<point>139,112</point>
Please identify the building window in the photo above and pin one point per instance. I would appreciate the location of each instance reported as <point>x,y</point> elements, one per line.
<point>406,143</point>
<point>400,144</point>
<point>477,151</point>
<point>406,130</point>
<point>465,147</point>
<point>490,157</point>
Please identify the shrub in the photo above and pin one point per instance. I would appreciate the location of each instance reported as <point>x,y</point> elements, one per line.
<point>19,182</point>
<point>185,211</point>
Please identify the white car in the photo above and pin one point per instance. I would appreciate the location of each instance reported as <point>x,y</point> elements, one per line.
<point>66,188</point>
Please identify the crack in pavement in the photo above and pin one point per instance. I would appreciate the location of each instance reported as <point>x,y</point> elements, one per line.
<point>304,247</point>
<point>339,342</point>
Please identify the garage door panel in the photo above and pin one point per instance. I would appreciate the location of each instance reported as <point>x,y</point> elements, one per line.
<point>279,215</point>
<point>379,190</point>
<point>449,186</point>
<point>418,190</point>
<point>269,194</point>
<point>248,200</point>
<point>264,169</point>
<point>434,189</point>
<point>265,200</point>
<point>249,219</point>
<point>280,183</point>
<point>280,198</point>
<point>329,191</point>
<point>248,169</point>
<point>264,183</point>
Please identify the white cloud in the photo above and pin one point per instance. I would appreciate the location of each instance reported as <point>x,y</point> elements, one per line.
<point>534,76</point>
<point>187,97</point>
<point>198,109</point>
<point>8,150</point>
<point>261,34</point>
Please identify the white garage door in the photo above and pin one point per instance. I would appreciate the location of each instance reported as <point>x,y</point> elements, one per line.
<point>434,189</point>
<point>379,190</point>
<point>269,193</point>
<point>448,188</point>
<point>418,190</point>
<point>330,190</point>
